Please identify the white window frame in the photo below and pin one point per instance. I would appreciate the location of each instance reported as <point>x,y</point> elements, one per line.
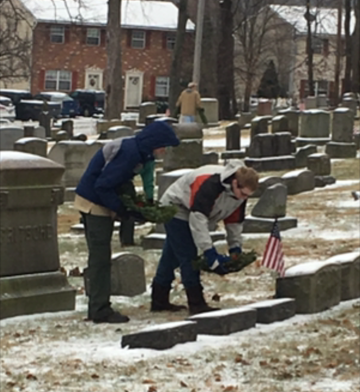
<point>57,31</point>
<point>170,41</point>
<point>58,80</point>
<point>138,39</point>
<point>162,86</point>
<point>93,36</point>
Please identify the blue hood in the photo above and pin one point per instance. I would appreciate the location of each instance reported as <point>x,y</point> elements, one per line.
<point>156,135</point>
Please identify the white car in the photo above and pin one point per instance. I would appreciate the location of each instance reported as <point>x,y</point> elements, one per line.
<point>7,109</point>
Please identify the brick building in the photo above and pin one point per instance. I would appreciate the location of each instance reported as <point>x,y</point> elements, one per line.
<point>69,47</point>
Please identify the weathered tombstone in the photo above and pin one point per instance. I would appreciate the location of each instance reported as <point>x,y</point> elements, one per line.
<point>315,286</point>
<point>264,107</point>
<point>210,158</point>
<point>340,150</point>
<point>302,153</point>
<point>119,131</point>
<point>274,310</point>
<point>9,135</point>
<point>127,275</point>
<point>259,125</point>
<point>350,274</point>
<point>45,121</point>
<point>350,102</point>
<point>68,126</point>
<point>81,137</point>
<point>319,164</point>
<point>233,136</point>
<point>40,132</point>
<point>31,145</point>
<point>145,109</point>
<point>60,136</point>
<point>154,117</point>
<point>245,118</point>
<point>279,124</point>
<point>298,181</point>
<point>293,120</point>
<point>310,103</point>
<point>103,125</point>
<point>224,321</point>
<point>30,277</point>
<point>264,183</point>
<point>315,124</point>
<point>211,111</point>
<point>272,203</point>
<point>161,337</point>
<point>322,101</point>
<point>342,125</point>
<point>29,130</point>
<point>166,179</point>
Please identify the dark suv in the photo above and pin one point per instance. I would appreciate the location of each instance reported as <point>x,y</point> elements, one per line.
<point>90,102</point>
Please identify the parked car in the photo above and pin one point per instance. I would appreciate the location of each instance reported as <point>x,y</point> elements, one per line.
<point>90,101</point>
<point>69,107</point>
<point>28,108</point>
<point>7,109</point>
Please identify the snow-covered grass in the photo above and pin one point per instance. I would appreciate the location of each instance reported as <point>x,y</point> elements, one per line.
<point>61,352</point>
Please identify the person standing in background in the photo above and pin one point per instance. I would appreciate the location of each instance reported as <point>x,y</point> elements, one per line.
<point>189,103</point>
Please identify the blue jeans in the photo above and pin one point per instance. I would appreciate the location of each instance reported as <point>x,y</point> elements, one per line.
<point>179,251</point>
<point>186,119</point>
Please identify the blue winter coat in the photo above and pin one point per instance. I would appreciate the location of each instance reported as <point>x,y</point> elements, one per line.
<point>119,161</point>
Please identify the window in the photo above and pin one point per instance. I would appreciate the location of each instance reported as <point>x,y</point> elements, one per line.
<point>317,45</point>
<point>138,39</point>
<point>170,41</point>
<point>93,36</point>
<point>57,34</point>
<point>58,80</point>
<point>162,86</point>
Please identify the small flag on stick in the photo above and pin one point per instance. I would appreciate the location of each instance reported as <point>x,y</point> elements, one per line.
<point>273,256</point>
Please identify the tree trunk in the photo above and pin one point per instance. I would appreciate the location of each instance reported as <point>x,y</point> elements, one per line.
<point>225,63</point>
<point>114,84</point>
<point>247,92</point>
<point>175,87</point>
<point>309,51</point>
<point>356,54</point>
<point>348,48</point>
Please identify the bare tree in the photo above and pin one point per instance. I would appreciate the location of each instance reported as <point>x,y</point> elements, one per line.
<point>114,85</point>
<point>356,52</point>
<point>176,63</point>
<point>15,42</point>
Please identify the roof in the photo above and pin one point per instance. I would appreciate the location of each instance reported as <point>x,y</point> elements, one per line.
<point>325,23</point>
<point>150,15</point>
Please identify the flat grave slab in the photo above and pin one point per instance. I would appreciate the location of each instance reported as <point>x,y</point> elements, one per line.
<point>253,224</point>
<point>162,336</point>
<point>225,321</point>
<point>315,286</point>
<point>274,310</point>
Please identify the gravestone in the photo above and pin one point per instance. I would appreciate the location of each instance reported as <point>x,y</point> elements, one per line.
<point>40,132</point>
<point>259,125</point>
<point>32,145</point>
<point>310,103</point>
<point>350,274</point>
<point>279,124</point>
<point>68,126</point>
<point>319,164</point>
<point>119,131</point>
<point>145,109</point>
<point>45,122</point>
<point>351,103</point>
<point>264,107</point>
<point>30,277</point>
<point>224,321</point>
<point>293,117</point>
<point>60,136</point>
<point>272,203</point>
<point>9,135</point>
<point>245,118</point>
<point>274,310</point>
<point>315,124</point>
<point>210,158</point>
<point>302,153</point>
<point>161,337</point>
<point>298,181</point>
<point>29,130</point>
<point>232,136</point>
<point>264,183</point>
<point>211,111</point>
<point>127,275</point>
<point>315,286</point>
<point>103,125</point>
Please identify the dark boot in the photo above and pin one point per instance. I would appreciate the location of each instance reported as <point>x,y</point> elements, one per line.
<point>160,299</point>
<point>196,301</point>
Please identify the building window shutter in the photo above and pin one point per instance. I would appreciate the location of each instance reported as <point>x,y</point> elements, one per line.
<point>164,39</point>
<point>41,80</point>
<point>152,86</point>
<point>103,38</point>
<point>128,38</point>
<point>67,35</point>
<point>147,39</point>
<point>74,80</point>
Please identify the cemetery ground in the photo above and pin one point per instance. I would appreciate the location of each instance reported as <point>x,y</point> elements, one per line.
<point>307,353</point>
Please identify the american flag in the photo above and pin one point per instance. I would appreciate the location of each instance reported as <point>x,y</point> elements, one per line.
<point>273,256</point>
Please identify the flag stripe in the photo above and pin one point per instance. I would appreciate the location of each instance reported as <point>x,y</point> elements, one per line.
<point>273,257</point>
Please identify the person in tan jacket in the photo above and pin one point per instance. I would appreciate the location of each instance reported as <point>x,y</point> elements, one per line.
<point>189,103</point>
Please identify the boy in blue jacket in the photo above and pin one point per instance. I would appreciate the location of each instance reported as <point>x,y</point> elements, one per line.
<point>99,204</point>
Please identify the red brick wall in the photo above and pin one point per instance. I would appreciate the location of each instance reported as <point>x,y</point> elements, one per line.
<point>75,56</point>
